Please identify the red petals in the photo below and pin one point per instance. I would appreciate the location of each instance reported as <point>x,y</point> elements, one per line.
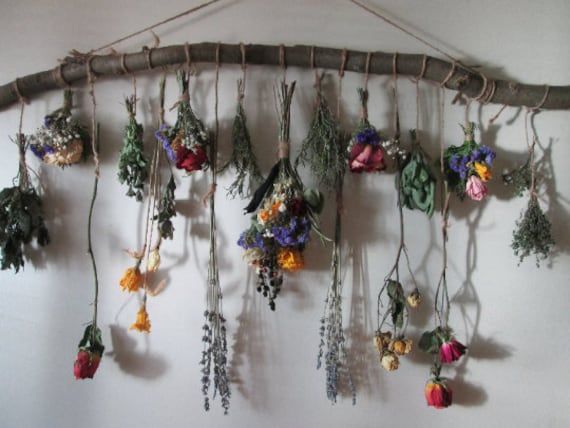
<point>366,158</point>
<point>86,364</point>
<point>451,351</point>
<point>191,160</point>
<point>438,394</point>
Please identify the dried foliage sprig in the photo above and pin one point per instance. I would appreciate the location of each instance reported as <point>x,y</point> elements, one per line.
<point>533,232</point>
<point>519,178</point>
<point>62,138</point>
<point>320,147</point>
<point>133,164</point>
<point>285,213</point>
<point>243,159</point>
<point>21,215</point>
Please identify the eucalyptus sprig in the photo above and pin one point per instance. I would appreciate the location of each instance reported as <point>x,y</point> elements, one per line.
<point>320,147</point>
<point>243,159</point>
<point>133,164</point>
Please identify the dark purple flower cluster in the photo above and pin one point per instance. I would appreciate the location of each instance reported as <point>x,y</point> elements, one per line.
<point>368,135</point>
<point>251,238</point>
<point>41,151</point>
<point>296,234</point>
<point>162,135</point>
<point>458,164</point>
<point>462,164</point>
<point>483,154</point>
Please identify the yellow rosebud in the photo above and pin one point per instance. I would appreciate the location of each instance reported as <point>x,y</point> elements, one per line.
<point>414,299</point>
<point>390,361</point>
<point>153,261</point>
<point>142,323</point>
<point>482,171</point>
<point>381,340</point>
<point>400,346</point>
<point>289,259</point>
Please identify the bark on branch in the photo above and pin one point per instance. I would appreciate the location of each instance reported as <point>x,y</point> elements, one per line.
<point>468,83</point>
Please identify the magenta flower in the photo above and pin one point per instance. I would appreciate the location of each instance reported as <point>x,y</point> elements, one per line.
<point>366,158</point>
<point>451,351</point>
<point>475,188</point>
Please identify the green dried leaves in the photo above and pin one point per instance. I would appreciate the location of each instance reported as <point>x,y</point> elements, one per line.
<point>133,164</point>
<point>324,149</point>
<point>417,181</point>
<point>533,234</point>
<point>397,302</point>
<point>520,178</point>
<point>167,210</point>
<point>21,220</point>
<point>243,159</point>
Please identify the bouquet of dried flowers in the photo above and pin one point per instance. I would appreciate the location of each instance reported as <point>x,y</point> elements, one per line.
<point>285,213</point>
<point>21,216</point>
<point>186,142</point>
<point>62,138</point>
<point>133,164</point>
<point>468,167</point>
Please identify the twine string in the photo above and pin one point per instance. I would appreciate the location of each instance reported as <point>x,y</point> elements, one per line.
<point>94,136</point>
<point>343,59</point>
<point>449,75</point>
<point>367,70</point>
<point>543,99</point>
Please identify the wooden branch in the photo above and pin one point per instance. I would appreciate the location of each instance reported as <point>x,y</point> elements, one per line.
<point>467,82</point>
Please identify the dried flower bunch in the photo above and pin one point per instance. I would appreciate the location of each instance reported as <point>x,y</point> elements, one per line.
<point>320,148</point>
<point>62,138</point>
<point>133,164</point>
<point>366,152</point>
<point>417,184</point>
<point>243,159</point>
<point>468,167</point>
<point>21,216</point>
<point>90,351</point>
<point>284,215</point>
<point>186,142</point>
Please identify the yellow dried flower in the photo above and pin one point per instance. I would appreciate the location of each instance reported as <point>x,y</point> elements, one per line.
<point>68,155</point>
<point>142,322</point>
<point>132,279</point>
<point>381,340</point>
<point>482,171</point>
<point>153,261</point>
<point>290,259</point>
<point>390,361</point>
<point>414,299</point>
<point>400,346</point>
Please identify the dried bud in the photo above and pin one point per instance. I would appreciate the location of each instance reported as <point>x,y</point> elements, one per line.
<point>414,299</point>
<point>400,346</point>
<point>381,340</point>
<point>390,361</point>
<point>153,261</point>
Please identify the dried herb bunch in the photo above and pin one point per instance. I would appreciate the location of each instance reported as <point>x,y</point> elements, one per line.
<point>519,178</point>
<point>21,216</point>
<point>186,142</point>
<point>62,138</point>
<point>285,213</point>
<point>133,164</point>
<point>332,345</point>
<point>167,210</point>
<point>533,234</point>
<point>320,148</point>
<point>417,184</point>
<point>243,159</point>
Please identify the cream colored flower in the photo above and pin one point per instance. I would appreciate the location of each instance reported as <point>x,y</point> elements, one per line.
<point>381,340</point>
<point>153,261</point>
<point>69,155</point>
<point>414,299</point>
<point>390,361</point>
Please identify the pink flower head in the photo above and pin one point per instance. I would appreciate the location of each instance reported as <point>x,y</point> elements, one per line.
<point>438,394</point>
<point>367,158</point>
<point>86,364</point>
<point>475,188</point>
<point>451,351</point>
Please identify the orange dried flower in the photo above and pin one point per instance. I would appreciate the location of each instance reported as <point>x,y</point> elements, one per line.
<point>132,279</point>
<point>142,322</point>
<point>290,259</point>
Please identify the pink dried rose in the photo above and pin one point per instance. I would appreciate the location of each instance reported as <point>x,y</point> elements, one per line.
<point>451,351</point>
<point>366,158</point>
<point>86,364</point>
<point>475,188</point>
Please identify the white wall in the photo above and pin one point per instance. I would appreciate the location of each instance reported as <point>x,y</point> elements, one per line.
<point>513,318</point>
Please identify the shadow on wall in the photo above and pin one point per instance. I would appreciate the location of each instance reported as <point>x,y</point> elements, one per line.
<point>142,364</point>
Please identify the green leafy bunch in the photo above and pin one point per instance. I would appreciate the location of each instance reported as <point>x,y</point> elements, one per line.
<point>167,210</point>
<point>454,180</point>
<point>417,181</point>
<point>519,178</point>
<point>21,220</point>
<point>243,159</point>
<point>324,148</point>
<point>188,126</point>
<point>533,234</point>
<point>133,164</point>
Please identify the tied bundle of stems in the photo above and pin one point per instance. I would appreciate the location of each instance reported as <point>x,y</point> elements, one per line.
<point>320,148</point>
<point>214,328</point>
<point>243,159</point>
<point>533,234</point>
<point>21,214</point>
<point>285,213</point>
<point>133,164</point>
